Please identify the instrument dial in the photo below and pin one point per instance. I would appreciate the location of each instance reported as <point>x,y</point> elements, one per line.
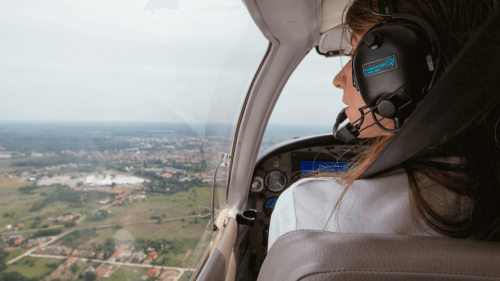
<point>275,181</point>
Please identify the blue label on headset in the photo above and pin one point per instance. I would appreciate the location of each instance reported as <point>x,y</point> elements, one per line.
<point>380,66</point>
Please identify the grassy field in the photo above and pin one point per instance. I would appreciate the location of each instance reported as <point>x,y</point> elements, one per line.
<point>159,217</point>
<point>15,205</point>
<point>6,167</point>
<point>166,207</point>
<point>15,253</point>
<point>197,252</point>
<point>186,276</point>
<point>126,273</point>
<point>34,267</point>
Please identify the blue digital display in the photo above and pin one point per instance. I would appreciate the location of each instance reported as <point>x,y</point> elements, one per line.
<point>309,167</point>
<point>271,203</point>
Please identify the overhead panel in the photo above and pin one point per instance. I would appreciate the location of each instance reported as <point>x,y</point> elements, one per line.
<point>331,14</point>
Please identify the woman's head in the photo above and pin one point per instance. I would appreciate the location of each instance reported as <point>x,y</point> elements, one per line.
<point>454,35</point>
<point>352,98</point>
<point>476,143</point>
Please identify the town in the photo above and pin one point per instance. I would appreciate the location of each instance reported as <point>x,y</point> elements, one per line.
<point>140,211</point>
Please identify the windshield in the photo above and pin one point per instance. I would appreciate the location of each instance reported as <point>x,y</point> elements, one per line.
<point>309,103</point>
<point>113,115</point>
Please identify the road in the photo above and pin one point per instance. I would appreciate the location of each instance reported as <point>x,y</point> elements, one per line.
<point>69,230</point>
<point>51,240</point>
<point>193,196</point>
<point>180,269</point>
<point>80,219</point>
<point>55,238</point>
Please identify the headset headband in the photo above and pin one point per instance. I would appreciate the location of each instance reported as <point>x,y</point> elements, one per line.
<point>388,6</point>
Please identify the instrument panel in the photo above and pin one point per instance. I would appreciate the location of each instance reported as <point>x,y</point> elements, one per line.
<point>279,167</point>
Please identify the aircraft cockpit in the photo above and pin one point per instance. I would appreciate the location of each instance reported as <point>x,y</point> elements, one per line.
<point>153,139</point>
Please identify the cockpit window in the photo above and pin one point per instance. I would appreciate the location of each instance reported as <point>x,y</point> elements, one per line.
<point>112,117</point>
<point>309,103</point>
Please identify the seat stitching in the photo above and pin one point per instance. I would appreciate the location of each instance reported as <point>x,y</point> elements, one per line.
<point>418,272</point>
<point>384,234</point>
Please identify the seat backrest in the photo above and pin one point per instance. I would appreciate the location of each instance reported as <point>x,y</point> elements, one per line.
<point>320,255</point>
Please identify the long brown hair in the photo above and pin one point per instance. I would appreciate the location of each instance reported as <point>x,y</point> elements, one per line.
<point>474,209</point>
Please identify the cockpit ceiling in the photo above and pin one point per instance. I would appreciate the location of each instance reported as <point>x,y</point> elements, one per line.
<point>331,14</point>
<point>293,21</point>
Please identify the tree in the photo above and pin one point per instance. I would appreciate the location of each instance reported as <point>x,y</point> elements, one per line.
<point>74,267</point>
<point>90,276</point>
<point>70,224</point>
<point>3,255</point>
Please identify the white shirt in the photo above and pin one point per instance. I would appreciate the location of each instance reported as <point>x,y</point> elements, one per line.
<point>379,205</point>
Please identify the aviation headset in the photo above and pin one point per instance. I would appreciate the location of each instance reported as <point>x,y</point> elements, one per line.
<point>393,67</point>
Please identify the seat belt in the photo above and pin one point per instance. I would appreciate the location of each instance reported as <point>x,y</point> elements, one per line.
<point>471,84</point>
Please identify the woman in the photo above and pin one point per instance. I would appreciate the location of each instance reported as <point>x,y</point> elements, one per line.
<point>451,189</point>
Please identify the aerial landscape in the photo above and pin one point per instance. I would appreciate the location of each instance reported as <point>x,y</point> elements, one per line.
<point>100,202</point>
<point>108,201</point>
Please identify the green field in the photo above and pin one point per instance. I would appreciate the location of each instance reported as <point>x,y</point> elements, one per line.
<point>186,276</point>
<point>160,216</point>
<point>6,164</point>
<point>34,267</point>
<point>15,206</point>
<point>127,273</point>
<point>15,253</point>
<point>164,206</point>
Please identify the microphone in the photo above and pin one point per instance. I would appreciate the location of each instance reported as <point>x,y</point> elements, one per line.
<point>348,132</point>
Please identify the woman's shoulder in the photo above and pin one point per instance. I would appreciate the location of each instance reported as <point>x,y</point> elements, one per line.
<point>308,188</point>
<point>321,186</point>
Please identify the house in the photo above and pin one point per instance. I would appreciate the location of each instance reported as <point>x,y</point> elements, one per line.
<point>168,273</point>
<point>75,252</point>
<point>118,254</point>
<point>153,272</point>
<point>167,175</point>
<point>138,257</point>
<point>104,202</point>
<point>100,256</point>
<point>20,225</point>
<point>104,270</point>
<point>98,270</point>
<point>153,255</point>
<point>68,252</point>
<point>70,261</point>
<point>18,241</point>
<point>108,271</point>
<point>89,269</point>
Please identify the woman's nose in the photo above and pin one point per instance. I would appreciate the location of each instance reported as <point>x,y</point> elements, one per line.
<point>340,79</point>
